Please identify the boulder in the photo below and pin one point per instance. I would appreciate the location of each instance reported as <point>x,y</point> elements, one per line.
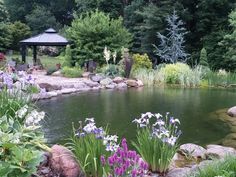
<point>80,85</point>
<point>232,112</point>
<point>68,90</point>
<point>111,86</point>
<point>132,83</point>
<point>96,78</point>
<point>218,151</point>
<point>178,172</point>
<point>62,162</point>
<point>57,73</point>
<point>140,83</point>
<point>48,87</point>
<point>118,80</point>
<point>91,83</point>
<point>193,150</point>
<point>106,81</point>
<point>121,85</point>
<point>86,74</point>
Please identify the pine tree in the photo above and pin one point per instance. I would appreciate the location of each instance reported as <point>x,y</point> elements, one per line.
<point>171,47</point>
<point>203,57</point>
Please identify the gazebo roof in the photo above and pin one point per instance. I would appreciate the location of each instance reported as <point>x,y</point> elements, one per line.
<point>50,37</point>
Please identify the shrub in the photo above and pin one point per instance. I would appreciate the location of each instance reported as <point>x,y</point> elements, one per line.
<point>124,162</point>
<point>72,72</point>
<point>141,61</point>
<point>157,140</point>
<point>95,30</point>
<point>89,143</point>
<point>182,74</point>
<point>112,70</point>
<point>226,168</point>
<point>51,70</point>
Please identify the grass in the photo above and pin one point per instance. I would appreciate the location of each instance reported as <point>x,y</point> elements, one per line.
<point>47,61</point>
<point>224,168</point>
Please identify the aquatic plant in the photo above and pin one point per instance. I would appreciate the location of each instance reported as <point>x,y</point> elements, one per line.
<point>89,143</point>
<point>157,140</point>
<point>124,162</point>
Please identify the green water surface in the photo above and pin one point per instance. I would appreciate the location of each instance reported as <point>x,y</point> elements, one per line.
<point>119,108</point>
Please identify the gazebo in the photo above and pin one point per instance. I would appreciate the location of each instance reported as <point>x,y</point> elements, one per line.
<point>50,37</point>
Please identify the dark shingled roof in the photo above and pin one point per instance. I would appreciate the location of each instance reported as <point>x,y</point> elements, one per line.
<point>49,38</point>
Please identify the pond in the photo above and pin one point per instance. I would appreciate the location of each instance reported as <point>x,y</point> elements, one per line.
<point>118,108</point>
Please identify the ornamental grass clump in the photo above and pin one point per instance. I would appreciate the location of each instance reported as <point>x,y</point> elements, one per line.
<point>157,140</point>
<point>124,162</point>
<point>89,143</point>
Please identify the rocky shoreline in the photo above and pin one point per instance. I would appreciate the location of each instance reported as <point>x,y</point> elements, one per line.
<point>54,86</point>
<point>187,161</point>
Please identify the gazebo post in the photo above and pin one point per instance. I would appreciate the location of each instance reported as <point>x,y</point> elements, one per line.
<point>35,54</point>
<point>23,53</point>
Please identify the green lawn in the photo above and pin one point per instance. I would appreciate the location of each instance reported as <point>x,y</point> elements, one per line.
<point>47,61</point>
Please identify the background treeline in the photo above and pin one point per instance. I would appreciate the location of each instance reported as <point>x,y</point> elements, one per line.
<point>208,23</point>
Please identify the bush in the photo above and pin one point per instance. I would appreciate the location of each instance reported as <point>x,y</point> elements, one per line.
<point>157,140</point>
<point>95,30</point>
<point>141,61</point>
<point>226,168</point>
<point>51,70</point>
<point>72,72</point>
<point>112,70</point>
<point>89,143</point>
<point>182,74</point>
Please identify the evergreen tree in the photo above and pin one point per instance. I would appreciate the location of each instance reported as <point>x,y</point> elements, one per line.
<point>203,58</point>
<point>92,32</point>
<point>171,47</point>
<point>40,19</point>
<point>229,58</point>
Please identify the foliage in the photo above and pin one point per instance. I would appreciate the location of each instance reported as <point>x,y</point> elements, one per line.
<point>141,61</point>
<point>5,36</point>
<point>182,74</point>
<point>92,32</point>
<point>171,47</point>
<point>149,77</point>
<point>20,136</point>
<point>72,72</point>
<point>229,58</point>
<point>89,143</point>
<point>113,8</point>
<point>203,58</point>
<point>220,78</point>
<point>225,167</point>
<point>19,32</point>
<point>67,59</point>
<point>124,162</point>
<point>112,70</point>
<point>157,140</point>
<point>51,70</point>
<point>40,19</point>
<point>4,16</point>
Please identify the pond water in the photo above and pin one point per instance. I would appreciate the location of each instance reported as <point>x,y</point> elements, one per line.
<point>119,108</point>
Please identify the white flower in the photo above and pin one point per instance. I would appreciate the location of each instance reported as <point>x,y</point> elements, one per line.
<point>90,127</point>
<point>107,54</point>
<point>158,115</point>
<point>22,112</point>
<point>89,120</point>
<point>172,140</point>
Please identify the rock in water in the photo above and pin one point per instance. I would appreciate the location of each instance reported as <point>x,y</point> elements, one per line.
<point>232,112</point>
<point>62,162</point>
<point>193,150</point>
<point>132,83</point>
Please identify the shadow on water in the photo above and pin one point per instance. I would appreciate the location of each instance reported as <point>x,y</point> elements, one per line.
<point>119,108</point>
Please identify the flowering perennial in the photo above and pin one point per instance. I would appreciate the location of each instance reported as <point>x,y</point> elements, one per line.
<point>157,140</point>
<point>125,162</point>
